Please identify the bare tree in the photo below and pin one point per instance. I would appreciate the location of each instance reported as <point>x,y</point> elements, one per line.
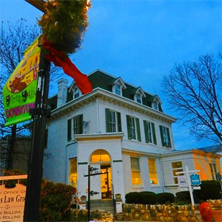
<point>14,39</point>
<point>194,89</point>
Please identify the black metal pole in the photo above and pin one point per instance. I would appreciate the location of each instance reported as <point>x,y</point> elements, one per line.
<point>89,192</point>
<point>35,169</point>
<point>11,150</point>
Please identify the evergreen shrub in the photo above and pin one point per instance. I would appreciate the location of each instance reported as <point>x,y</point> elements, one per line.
<point>145,197</point>
<point>163,198</point>
<point>183,196</point>
<point>210,189</point>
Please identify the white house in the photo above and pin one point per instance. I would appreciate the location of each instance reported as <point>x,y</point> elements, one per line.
<point>121,130</point>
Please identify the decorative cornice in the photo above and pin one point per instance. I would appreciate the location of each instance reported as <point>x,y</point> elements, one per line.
<point>99,136</point>
<point>110,97</point>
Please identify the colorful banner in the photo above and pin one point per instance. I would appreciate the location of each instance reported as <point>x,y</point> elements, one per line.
<point>19,92</point>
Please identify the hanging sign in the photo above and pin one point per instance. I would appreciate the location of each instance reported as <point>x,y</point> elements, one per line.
<point>19,92</point>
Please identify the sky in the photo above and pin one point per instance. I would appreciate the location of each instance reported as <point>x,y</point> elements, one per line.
<point>141,41</point>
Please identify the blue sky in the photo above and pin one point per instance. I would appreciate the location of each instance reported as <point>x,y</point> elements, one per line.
<point>141,40</point>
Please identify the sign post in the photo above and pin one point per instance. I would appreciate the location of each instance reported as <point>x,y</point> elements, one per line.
<point>188,181</point>
<point>12,199</point>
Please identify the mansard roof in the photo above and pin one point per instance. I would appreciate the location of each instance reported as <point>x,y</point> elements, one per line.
<point>100,79</point>
<point>105,81</point>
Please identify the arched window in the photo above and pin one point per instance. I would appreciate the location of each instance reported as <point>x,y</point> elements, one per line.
<point>100,156</point>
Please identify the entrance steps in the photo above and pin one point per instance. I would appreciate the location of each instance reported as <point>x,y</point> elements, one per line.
<point>103,204</point>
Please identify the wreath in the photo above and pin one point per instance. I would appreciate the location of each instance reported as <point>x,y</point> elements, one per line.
<point>64,23</point>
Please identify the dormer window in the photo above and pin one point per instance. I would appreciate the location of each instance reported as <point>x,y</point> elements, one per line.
<point>117,89</point>
<point>138,95</point>
<point>138,98</point>
<point>156,103</point>
<point>118,86</point>
<point>76,93</point>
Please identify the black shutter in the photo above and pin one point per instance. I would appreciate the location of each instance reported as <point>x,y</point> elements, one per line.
<point>146,131</point>
<point>154,134</point>
<point>108,128</point>
<point>119,122</point>
<point>138,129</point>
<point>80,119</point>
<point>69,131</point>
<point>168,135</point>
<point>128,127</point>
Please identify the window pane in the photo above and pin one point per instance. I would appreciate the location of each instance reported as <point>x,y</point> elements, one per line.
<point>136,180</point>
<point>176,164</point>
<point>76,93</point>
<point>117,89</point>
<point>73,173</point>
<point>76,125</point>
<point>100,156</point>
<point>113,121</point>
<point>132,128</point>
<point>152,171</point>
<point>138,98</point>
<point>149,132</point>
<point>176,167</point>
<point>135,164</point>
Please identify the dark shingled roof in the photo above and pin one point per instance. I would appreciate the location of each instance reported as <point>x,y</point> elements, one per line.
<point>102,80</point>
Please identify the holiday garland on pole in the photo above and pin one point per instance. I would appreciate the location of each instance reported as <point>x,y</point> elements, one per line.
<point>64,23</point>
<point>63,26</point>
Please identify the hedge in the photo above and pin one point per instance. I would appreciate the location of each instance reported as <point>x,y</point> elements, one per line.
<point>210,189</point>
<point>147,197</point>
<point>165,197</point>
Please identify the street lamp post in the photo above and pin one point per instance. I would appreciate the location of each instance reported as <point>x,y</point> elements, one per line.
<point>35,169</point>
<point>39,114</point>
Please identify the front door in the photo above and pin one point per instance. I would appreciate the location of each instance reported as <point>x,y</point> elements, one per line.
<point>106,182</point>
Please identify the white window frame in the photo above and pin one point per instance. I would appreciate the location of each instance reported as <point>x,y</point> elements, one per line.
<point>155,105</point>
<point>75,125</point>
<point>117,89</point>
<point>139,98</point>
<point>75,178</point>
<point>156,172</point>
<point>113,121</point>
<point>149,131</point>
<point>120,84</point>
<point>76,93</point>
<point>133,128</point>
<point>135,170</point>
<point>166,139</point>
<point>177,169</point>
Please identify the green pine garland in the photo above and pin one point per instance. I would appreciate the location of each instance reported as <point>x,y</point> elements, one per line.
<point>64,23</point>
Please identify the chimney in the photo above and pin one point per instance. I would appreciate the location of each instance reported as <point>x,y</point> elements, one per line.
<point>62,92</point>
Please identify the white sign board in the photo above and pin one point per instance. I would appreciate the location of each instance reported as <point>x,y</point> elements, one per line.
<point>12,202</point>
<point>182,181</point>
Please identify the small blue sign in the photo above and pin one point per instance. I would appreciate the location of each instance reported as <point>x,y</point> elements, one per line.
<point>195,179</point>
